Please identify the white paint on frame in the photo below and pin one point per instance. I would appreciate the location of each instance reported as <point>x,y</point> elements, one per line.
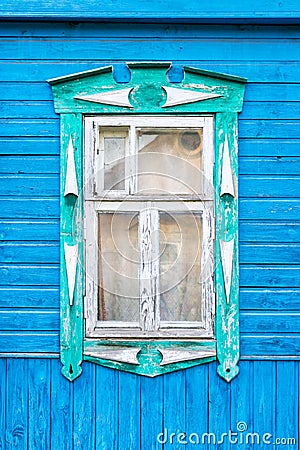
<point>149,267</point>
<point>71,186</point>
<point>118,97</point>
<point>182,354</point>
<point>227,184</point>
<point>177,96</point>
<point>227,263</point>
<point>119,354</point>
<point>71,257</point>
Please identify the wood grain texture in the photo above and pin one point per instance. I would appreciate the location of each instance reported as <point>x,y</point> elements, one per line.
<point>241,402</point>
<point>149,268</point>
<point>85,406</point>
<point>150,10</point>
<point>264,396</point>
<point>151,411</point>
<point>3,382</point>
<point>17,405</point>
<point>96,412</point>
<point>33,393</point>
<point>174,407</point>
<point>106,416</point>
<point>287,423</point>
<point>61,413</point>
<point>39,428</point>
<point>129,408</point>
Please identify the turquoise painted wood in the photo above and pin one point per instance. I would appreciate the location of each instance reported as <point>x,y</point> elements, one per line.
<point>146,92</point>
<point>36,402</point>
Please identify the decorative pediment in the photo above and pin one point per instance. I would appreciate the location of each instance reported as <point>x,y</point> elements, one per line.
<point>148,90</point>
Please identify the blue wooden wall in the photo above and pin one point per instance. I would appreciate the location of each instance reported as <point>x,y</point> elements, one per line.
<point>109,410</point>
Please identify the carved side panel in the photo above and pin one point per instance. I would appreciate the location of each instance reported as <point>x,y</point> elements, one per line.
<point>226,247</point>
<point>71,246</point>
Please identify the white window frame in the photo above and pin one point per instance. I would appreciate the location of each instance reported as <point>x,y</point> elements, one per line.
<point>110,201</point>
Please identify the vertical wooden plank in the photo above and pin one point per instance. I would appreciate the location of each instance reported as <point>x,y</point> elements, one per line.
<point>85,408</point>
<point>17,404</point>
<point>151,412</point>
<point>264,400</point>
<point>39,404</point>
<point>287,402</point>
<point>129,411</point>
<point>107,400</point>
<point>174,408</point>
<point>61,409</point>
<point>241,399</point>
<point>197,405</point>
<point>3,381</point>
<point>227,317</point>
<point>219,409</point>
<point>149,268</point>
<point>71,236</point>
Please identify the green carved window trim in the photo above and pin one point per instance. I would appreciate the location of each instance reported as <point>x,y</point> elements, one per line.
<point>149,92</point>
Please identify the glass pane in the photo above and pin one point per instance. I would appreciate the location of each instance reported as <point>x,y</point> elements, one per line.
<point>169,161</point>
<point>180,267</point>
<point>114,142</point>
<point>118,267</point>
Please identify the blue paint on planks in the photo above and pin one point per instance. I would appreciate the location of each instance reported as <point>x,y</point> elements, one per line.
<point>29,297</point>
<point>85,407</point>
<point>264,381</point>
<point>287,385</point>
<point>129,409</point>
<point>39,426</point>
<point>152,419</point>
<point>174,407</point>
<point>195,400</point>
<point>197,404</point>
<point>274,299</point>
<point>37,395</point>
<point>29,320</point>
<point>29,230</point>
<point>62,409</point>
<point>151,10</point>
<point>29,342</point>
<point>29,275</point>
<point>3,382</point>
<point>106,417</point>
<point>17,404</point>
<point>241,400</point>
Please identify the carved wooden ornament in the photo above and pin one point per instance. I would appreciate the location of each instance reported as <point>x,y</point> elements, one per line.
<point>202,93</point>
<point>71,186</point>
<point>227,262</point>
<point>118,97</point>
<point>182,96</point>
<point>227,185</point>
<point>119,354</point>
<point>172,356</point>
<point>71,257</point>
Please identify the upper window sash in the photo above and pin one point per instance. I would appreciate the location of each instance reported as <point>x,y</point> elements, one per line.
<point>101,129</point>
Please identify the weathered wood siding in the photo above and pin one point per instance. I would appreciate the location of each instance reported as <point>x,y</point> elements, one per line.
<point>111,410</point>
<point>104,409</point>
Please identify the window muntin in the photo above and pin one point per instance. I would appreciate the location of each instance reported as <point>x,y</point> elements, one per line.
<point>148,300</point>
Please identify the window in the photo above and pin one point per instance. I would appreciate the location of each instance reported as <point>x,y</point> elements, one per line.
<point>149,226</point>
<point>149,275</point>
